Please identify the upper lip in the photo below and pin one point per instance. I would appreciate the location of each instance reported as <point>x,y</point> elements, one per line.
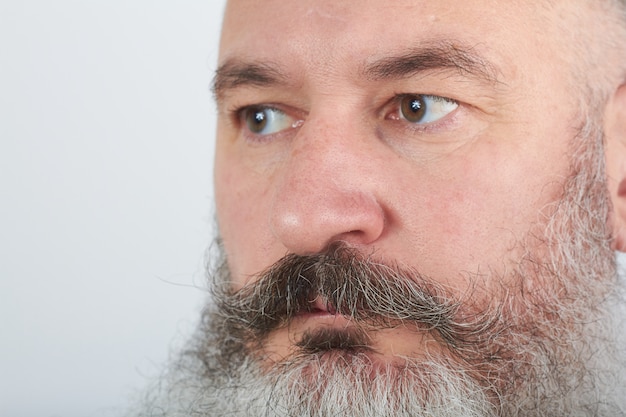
<point>321,304</point>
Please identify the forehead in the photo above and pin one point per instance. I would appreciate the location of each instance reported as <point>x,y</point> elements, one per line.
<point>330,33</point>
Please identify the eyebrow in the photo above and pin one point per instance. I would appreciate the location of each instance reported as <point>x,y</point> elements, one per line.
<point>442,55</point>
<point>439,56</point>
<point>237,73</point>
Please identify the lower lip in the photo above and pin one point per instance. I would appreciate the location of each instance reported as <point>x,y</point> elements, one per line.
<point>324,317</point>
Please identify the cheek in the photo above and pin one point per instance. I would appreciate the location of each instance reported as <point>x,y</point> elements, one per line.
<point>473,216</point>
<point>242,203</point>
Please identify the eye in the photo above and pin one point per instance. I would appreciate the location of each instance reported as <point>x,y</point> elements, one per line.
<point>423,109</point>
<point>262,120</point>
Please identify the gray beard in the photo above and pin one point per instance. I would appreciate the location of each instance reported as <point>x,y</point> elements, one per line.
<point>549,351</point>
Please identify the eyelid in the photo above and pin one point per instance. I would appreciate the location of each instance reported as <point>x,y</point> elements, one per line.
<point>292,120</point>
<point>393,109</point>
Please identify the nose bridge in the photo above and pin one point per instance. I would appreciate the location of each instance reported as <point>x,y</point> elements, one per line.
<point>327,153</point>
<point>325,192</point>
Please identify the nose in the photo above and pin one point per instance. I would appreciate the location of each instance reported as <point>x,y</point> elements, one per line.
<point>327,192</point>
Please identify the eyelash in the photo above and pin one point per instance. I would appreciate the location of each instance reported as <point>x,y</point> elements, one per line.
<point>416,128</point>
<point>239,114</point>
<point>390,111</point>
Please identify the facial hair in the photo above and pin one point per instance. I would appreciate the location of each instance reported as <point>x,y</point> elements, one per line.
<point>545,349</point>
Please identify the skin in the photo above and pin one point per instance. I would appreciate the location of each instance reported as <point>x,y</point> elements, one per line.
<point>459,199</point>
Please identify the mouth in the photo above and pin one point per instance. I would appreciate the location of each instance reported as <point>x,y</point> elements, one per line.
<point>322,314</point>
<point>323,329</point>
<point>321,307</point>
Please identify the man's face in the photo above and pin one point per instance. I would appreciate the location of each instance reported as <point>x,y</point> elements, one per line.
<point>432,140</point>
<point>455,189</point>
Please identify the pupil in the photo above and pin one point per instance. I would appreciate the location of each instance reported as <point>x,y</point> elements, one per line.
<point>416,106</point>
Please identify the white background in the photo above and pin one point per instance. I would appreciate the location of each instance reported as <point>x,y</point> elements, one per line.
<point>106,133</point>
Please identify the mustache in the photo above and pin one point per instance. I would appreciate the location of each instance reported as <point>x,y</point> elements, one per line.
<point>371,294</point>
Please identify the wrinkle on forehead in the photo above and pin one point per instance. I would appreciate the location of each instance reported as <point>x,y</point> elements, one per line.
<point>315,11</point>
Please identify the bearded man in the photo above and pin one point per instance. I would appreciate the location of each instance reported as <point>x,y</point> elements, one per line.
<point>419,205</point>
